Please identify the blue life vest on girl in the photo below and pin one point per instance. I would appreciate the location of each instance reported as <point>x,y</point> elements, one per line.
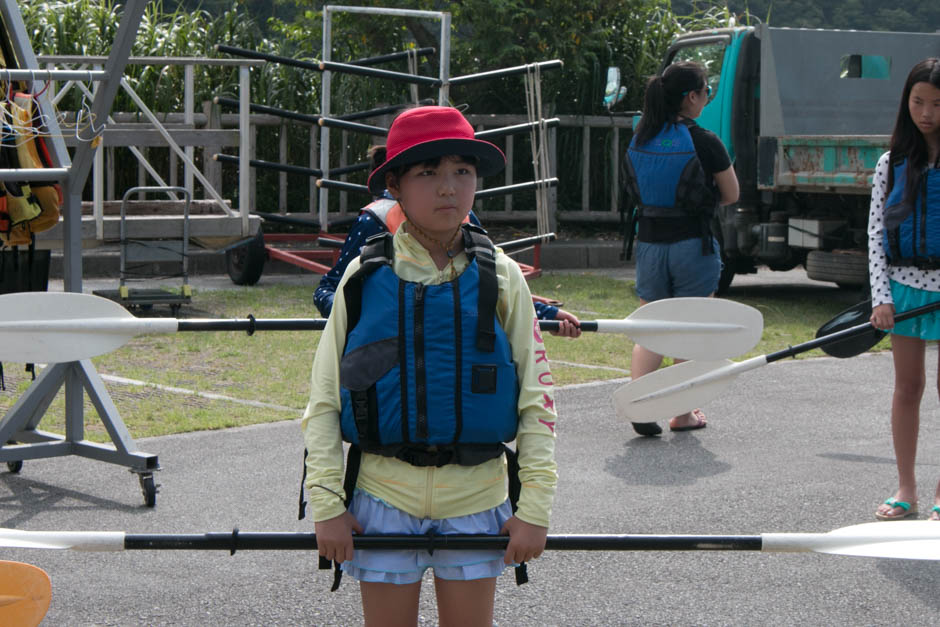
<point>664,176</point>
<point>912,225</point>
<point>427,374</point>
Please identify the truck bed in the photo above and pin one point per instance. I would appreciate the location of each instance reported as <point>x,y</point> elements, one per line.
<point>819,163</point>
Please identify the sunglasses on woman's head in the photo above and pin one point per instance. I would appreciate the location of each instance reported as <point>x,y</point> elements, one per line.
<point>707,88</point>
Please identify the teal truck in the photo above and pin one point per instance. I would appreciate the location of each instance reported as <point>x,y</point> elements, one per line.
<point>805,115</point>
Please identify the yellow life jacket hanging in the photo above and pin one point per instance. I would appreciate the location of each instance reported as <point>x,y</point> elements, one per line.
<point>29,208</point>
<point>22,205</point>
<point>4,214</point>
<point>32,153</point>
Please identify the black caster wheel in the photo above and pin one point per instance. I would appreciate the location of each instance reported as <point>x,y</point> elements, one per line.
<point>16,466</point>
<point>149,490</point>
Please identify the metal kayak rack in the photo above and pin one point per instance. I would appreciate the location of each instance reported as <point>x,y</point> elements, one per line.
<point>21,438</point>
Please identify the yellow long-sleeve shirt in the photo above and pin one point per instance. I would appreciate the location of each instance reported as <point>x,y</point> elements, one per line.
<point>452,490</point>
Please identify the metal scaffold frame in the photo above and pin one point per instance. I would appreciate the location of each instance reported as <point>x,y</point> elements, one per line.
<point>544,171</point>
<point>326,84</point>
<point>20,438</point>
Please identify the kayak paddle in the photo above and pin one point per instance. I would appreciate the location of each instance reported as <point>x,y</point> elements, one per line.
<point>25,593</point>
<point>902,540</point>
<point>58,327</point>
<point>683,387</point>
<point>866,336</point>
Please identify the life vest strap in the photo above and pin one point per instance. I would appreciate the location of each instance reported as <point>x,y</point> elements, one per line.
<point>478,245</point>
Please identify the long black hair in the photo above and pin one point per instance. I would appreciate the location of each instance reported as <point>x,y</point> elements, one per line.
<point>907,142</point>
<point>664,95</point>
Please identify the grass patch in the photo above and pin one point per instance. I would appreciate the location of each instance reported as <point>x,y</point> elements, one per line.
<point>273,367</point>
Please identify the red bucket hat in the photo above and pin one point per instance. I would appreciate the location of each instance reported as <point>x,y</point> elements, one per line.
<point>424,133</point>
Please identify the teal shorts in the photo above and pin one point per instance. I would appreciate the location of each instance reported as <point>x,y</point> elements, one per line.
<point>925,327</point>
<point>408,566</point>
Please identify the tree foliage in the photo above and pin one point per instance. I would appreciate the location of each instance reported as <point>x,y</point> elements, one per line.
<point>914,16</point>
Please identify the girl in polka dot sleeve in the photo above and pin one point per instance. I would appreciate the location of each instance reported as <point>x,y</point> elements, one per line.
<point>904,263</point>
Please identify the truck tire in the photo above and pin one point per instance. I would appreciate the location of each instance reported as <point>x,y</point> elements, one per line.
<point>245,264</point>
<point>844,268</point>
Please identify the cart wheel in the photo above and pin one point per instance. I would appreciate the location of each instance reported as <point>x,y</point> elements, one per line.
<point>16,466</point>
<point>149,490</point>
<point>245,264</point>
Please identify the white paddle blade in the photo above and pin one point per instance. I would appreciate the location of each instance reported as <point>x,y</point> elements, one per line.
<point>62,345</point>
<point>702,328</point>
<point>678,402</point>
<point>917,540</point>
<point>74,540</point>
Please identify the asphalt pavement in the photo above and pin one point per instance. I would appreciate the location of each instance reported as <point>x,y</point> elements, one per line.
<point>796,446</point>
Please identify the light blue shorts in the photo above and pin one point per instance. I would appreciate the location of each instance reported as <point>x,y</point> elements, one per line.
<point>926,326</point>
<point>408,566</point>
<point>676,269</point>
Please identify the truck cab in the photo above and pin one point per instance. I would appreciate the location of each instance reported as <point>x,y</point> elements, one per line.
<point>805,114</point>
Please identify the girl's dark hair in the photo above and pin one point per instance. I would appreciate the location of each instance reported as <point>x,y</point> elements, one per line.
<point>664,95</point>
<point>907,142</point>
<point>376,157</point>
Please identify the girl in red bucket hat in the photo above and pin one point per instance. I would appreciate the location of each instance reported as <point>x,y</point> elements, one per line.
<point>412,135</point>
<point>430,362</point>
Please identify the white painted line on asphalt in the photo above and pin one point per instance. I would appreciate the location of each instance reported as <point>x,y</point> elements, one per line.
<point>208,395</point>
<point>574,365</point>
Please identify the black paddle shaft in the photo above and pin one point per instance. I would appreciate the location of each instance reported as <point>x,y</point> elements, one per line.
<point>252,324</point>
<point>288,541</point>
<point>858,331</point>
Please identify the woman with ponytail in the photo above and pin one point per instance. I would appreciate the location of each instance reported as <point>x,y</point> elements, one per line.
<point>676,174</point>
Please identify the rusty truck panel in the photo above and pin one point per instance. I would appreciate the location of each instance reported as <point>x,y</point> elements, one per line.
<point>839,164</point>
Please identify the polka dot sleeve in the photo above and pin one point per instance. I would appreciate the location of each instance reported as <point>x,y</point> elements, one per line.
<point>879,270</point>
<point>877,263</point>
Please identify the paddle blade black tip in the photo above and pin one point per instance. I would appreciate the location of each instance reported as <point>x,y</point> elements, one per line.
<point>855,344</point>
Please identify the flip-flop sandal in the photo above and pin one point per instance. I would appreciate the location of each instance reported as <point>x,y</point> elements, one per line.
<point>908,510</point>
<point>934,513</point>
<point>700,422</point>
<point>648,429</point>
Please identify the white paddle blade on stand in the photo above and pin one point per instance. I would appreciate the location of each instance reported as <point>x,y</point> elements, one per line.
<point>58,327</point>
<point>692,328</point>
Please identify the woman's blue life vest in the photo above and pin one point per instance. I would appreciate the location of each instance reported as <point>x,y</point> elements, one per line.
<point>427,373</point>
<point>911,234</point>
<point>664,177</point>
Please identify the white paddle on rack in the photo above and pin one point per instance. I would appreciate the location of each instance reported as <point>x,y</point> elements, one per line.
<point>56,327</point>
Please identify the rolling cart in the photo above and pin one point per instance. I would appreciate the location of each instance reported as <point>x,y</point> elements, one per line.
<point>139,254</point>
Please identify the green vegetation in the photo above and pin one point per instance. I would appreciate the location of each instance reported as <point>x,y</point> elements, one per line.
<point>273,368</point>
<point>903,15</point>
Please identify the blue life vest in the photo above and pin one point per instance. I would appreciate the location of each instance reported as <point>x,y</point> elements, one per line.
<point>427,373</point>
<point>664,176</point>
<point>911,234</point>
